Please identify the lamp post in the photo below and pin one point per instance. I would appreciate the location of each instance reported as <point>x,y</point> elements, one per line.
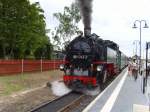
<point>136,43</point>
<point>140,28</point>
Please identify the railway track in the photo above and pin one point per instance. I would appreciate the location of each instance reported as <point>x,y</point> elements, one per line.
<point>61,104</point>
<point>69,102</point>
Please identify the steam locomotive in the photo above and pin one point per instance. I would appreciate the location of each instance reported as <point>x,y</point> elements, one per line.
<point>90,61</point>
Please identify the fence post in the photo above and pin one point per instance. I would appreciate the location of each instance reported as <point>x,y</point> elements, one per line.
<point>41,65</point>
<point>22,66</point>
<point>54,64</point>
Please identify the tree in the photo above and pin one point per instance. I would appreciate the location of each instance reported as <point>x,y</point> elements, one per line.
<point>22,29</point>
<point>68,24</point>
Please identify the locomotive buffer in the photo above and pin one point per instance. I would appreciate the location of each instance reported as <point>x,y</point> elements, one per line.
<point>124,94</point>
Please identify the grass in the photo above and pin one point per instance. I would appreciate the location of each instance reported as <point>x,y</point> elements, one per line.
<point>20,82</point>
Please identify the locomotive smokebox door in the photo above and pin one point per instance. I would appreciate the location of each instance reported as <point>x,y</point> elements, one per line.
<point>87,32</point>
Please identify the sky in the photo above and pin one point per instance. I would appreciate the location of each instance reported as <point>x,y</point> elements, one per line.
<point>111,19</point>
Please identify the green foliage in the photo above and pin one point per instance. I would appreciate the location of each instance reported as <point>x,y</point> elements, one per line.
<point>22,29</point>
<point>43,52</point>
<point>68,24</point>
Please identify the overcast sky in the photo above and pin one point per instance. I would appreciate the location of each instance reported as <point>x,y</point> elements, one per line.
<point>111,19</point>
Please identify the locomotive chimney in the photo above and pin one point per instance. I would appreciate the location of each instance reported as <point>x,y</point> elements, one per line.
<point>87,32</point>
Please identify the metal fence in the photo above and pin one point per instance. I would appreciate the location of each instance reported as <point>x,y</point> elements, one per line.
<point>21,66</point>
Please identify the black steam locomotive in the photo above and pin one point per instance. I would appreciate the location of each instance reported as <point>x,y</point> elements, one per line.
<point>90,61</point>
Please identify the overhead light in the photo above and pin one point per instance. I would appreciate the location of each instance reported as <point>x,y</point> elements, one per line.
<point>134,26</point>
<point>146,26</point>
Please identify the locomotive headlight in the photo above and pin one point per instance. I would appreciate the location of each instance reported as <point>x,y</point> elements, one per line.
<point>99,68</point>
<point>61,67</point>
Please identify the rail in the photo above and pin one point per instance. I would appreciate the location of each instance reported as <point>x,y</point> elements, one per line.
<point>60,104</point>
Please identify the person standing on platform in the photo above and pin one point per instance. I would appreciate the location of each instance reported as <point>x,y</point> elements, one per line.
<point>130,68</point>
<point>143,68</point>
<point>134,68</point>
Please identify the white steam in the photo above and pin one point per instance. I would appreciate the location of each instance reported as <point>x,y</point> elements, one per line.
<point>59,88</point>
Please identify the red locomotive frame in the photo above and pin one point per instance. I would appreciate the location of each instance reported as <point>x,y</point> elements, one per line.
<point>87,80</point>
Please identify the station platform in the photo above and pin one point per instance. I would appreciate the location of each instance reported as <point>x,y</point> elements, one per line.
<point>124,94</point>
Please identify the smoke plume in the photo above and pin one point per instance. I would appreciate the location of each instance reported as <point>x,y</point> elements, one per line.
<point>86,11</point>
<point>59,88</point>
